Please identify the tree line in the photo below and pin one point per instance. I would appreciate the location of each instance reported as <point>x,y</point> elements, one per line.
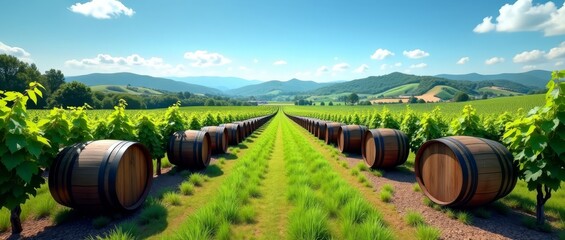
<point>16,75</point>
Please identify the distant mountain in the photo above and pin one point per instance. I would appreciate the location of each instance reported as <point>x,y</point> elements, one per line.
<point>222,83</point>
<point>380,84</point>
<point>293,86</point>
<point>535,78</point>
<point>132,79</point>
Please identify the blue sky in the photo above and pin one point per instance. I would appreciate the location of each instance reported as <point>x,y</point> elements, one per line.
<point>267,40</point>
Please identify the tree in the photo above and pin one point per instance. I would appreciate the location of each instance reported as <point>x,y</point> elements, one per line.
<point>210,102</point>
<point>54,79</point>
<point>538,144</point>
<point>12,74</point>
<point>353,98</point>
<point>412,99</point>
<point>461,97</point>
<point>21,149</point>
<point>322,104</point>
<point>72,94</point>
<point>331,103</point>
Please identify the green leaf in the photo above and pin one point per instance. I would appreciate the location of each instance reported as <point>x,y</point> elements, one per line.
<point>26,170</point>
<point>32,95</point>
<point>533,175</point>
<point>15,142</point>
<point>11,161</point>
<point>558,145</point>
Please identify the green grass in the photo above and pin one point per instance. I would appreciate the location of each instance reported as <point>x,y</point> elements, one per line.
<point>344,165</point>
<point>428,202</point>
<point>450,213</point>
<point>355,172</point>
<point>416,187</point>
<point>153,211</point>
<point>376,172</point>
<point>531,223</point>
<point>400,90</point>
<point>172,198</point>
<point>389,188</point>
<point>424,232</point>
<point>385,196</point>
<point>362,167</point>
<point>309,224</point>
<point>186,188</point>
<point>465,217</point>
<point>100,222</point>
<point>414,219</point>
<point>197,179</point>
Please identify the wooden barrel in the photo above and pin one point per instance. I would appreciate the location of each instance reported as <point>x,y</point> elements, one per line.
<point>350,138</point>
<point>384,148</point>
<point>244,128</point>
<point>464,171</point>
<point>190,149</point>
<point>332,132</point>
<point>321,130</point>
<point>218,138</point>
<point>233,133</point>
<point>109,175</point>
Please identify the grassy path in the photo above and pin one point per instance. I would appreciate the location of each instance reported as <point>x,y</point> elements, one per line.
<point>389,213</point>
<point>272,207</point>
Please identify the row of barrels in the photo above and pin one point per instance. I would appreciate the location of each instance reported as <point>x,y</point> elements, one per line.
<point>457,171</point>
<point>115,175</point>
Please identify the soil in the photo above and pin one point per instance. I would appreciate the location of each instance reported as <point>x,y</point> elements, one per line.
<point>406,199</point>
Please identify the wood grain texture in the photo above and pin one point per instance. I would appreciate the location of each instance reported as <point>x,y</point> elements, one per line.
<point>384,148</point>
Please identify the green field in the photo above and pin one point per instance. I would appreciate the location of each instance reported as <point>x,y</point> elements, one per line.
<point>501,92</point>
<point>397,91</point>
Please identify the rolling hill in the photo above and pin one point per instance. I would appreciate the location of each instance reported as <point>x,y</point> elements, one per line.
<point>290,87</point>
<point>221,83</point>
<point>399,84</point>
<point>142,81</point>
<point>535,78</point>
<point>117,89</point>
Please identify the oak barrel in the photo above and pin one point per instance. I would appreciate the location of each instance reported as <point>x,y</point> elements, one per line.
<point>321,131</point>
<point>189,149</point>
<point>233,133</point>
<point>463,171</point>
<point>109,175</point>
<point>350,138</point>
<point>384,148</point>
<point>332,131</point>
<point>243,129</point>
<point>218,138</point>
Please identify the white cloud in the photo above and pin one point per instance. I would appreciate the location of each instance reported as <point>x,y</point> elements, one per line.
<point>524,16</point>
<point>463,60</point>
<point>321,70</point>
<point>381,54</point>
<point>280,62</point>
<point>556,52</point>
<point>340,67</point>
<point>559,63</point>
<point>529,67</point>
<point>106,62</point>
<point>494,60</point>
<point>415,54</point>
<point>18,52</point>
<point>361,69</point>
<point>243,68</point>
<point>390,66</point>
<point>485,26</point>
<point>419,65</point>
<point>102,9</point>
<point>203,58</point>
<point>528,57</point>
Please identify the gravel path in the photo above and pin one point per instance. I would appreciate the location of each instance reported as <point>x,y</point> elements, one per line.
<point>405,199</point>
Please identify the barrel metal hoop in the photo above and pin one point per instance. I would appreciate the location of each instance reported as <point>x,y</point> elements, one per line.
<point>505,183</point>
<point>68,180</point>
